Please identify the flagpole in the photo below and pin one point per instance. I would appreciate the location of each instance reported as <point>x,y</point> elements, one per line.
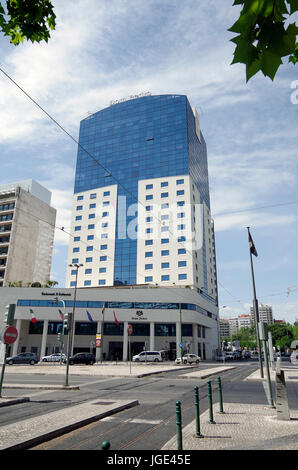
<point>256,310</point>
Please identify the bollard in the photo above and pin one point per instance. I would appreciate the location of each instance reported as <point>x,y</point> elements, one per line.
<point>179,425</point>
<point>197,410</point>
<point>211,421</point>
<point>105,445</point>
<point>220,395</point>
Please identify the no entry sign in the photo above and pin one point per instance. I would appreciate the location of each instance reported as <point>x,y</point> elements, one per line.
<point>9,335</point>
<point>129,329</point>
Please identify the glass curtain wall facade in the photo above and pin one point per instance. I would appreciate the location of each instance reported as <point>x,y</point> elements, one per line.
<point>143,138</point>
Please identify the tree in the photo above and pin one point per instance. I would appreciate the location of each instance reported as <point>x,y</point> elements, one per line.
<point>27,19</point>
<point>263,38</point>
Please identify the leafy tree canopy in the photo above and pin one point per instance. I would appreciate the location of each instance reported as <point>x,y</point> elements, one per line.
<point>263,38</point>
<point>27,19</point>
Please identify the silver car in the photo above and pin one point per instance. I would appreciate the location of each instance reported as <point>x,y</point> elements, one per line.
<point>188,359</point>
<point>53,358</point>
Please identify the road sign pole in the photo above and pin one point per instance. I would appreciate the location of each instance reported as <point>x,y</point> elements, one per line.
<point>2,371</point>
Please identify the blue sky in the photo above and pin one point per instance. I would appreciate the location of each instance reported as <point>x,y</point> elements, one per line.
<point>107,50</point>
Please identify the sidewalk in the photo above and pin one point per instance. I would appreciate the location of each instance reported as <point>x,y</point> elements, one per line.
<point>243,426</point>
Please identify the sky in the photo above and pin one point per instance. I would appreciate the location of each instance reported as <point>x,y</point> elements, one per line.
<point>109,50</point>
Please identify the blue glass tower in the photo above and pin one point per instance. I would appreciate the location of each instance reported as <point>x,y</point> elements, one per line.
<point>139,139</point>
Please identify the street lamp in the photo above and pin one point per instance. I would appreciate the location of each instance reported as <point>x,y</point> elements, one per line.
<point>57,300</point>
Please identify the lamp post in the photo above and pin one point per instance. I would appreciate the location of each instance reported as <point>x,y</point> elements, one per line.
<point>57,300</point>
<point>71,332</point>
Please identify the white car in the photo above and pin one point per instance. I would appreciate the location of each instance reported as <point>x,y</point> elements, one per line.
<point>53,358</point>
<point>188,359</point>
<point>294,357</point>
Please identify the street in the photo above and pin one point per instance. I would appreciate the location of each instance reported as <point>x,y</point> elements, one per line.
<point>146,426</point>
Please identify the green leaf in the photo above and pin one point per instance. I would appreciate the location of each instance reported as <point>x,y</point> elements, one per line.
<point>252,69</point>
<point>293,6</point>
<point>270,63</point>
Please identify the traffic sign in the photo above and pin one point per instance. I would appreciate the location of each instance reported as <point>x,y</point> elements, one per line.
<point>10,335</point>
<point>98,340</point>
<point>129,329</point>
<point>180,345</point>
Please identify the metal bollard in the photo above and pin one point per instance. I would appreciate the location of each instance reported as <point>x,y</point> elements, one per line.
<point>197,410</point>
<point>211,421</point>
<point>220,395</point>
<point>179,425</point>
<point>105,445</point>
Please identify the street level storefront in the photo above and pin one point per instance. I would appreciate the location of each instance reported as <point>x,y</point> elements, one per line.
<point>102,316</point>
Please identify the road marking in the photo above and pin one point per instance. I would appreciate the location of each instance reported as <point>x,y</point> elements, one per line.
<point>132,421</point>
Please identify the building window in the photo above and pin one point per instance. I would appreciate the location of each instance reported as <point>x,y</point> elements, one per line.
<point>78,217</point>
<point>165,265</point>
<point>149,196</point>
<point>148,279</point>
<point>73,283</point>
<point>102,282</point>
<point>88,271</point>
<point>149,219</point>
<point>149,186</point>
<point>75,260</point>
<point>91,226</point>
<point>93,196</point>
<point>106,203</point>
<point>165,277</point>
<point>102,258</point>
<point>181,264</point>
<point>103,247</point>
<point>180,193</point>
<point>165,240</point>
<point>148,254</point>
<point>181,251</point>
<point>73,272</point>
<point>106,193</point>
<point>148,266</point>
<point>91,216</point>
<point>90,237</point>
<point>148,242</point>
<point>80,198</point>
<point>78,228</point>
<point>149,230</point>
<point>165,253</point>
<point>79,208</point>
<point>149,208</point>
<point>92,206</point>
<point>87,283</point>
<point>89,260</point>
<point>181,227</point>
<point>102,270</point>
<point>180,181</point>
<point>104,235</point>
<point>181,239</point>
<point>180,203</point>
<point>181,215</point>
<point>104,225</point>
<point>105,214</point>
<point>164,195</point>
<point>165,205</point>
<point>77,239</point>
<point>165,217</point>
<point>181,277</point>
<point>165,329</point>
<point>76,250</point>
<point>164,229</point>
<point>89,248</point>
<point>163,184</point>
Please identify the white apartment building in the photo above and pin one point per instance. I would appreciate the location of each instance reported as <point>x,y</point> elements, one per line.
<point>265,314</point>
<point>27,224</point>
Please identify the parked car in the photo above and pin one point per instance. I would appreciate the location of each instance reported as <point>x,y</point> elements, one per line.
<point>188,359</point>
<point>246,354</point>
<point>230,355</point>
<point>221,357</point>
<point>294,357</point>
<point>146,356</point>
<point>81,358</point>
<point>53,358</point>
<point>237,355</point>
<point>23,358</point>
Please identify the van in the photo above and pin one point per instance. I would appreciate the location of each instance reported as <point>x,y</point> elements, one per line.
<point>146,356</point>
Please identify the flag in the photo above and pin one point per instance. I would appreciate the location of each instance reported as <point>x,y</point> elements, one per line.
<point>251,245</point>
<point>89,317</point>
<point>61,314</point>
<point>115,318</point>
<point>33,317</point>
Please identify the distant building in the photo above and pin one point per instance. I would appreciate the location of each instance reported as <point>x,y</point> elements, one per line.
<point>245,321</point>
<point>224,328</point>
<point>265,313</point>
<point>27,223</point>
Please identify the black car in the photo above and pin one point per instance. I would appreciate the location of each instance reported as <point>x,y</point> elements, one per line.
<point>82,358</point>
<point>23,358</point>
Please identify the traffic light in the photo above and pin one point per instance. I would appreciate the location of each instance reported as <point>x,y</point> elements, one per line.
<point>9,314</point>
<point>59,337</point>
<point>67,322</point>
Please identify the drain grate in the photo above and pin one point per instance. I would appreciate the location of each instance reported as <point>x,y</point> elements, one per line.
<point>104,403</point>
